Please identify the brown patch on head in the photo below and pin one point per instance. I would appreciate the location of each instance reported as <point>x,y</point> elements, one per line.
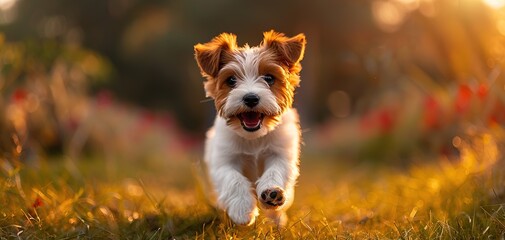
<point>211,57</point>
<point>289,51</point>
<point>285,67</point>
<point>279,56</point>
<point>286,80</point>
<point>221,89</point>
<point>282,88</point>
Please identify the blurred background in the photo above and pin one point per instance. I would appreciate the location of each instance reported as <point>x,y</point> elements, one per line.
<point>382,80</point>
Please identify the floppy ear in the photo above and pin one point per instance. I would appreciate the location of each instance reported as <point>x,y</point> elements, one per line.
<point>289,50</point>
<point>212,55</point>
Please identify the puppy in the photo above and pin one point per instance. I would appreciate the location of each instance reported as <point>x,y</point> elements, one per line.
<point>252,151</point>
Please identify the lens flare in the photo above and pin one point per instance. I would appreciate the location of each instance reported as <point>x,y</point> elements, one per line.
<point>495,3</point>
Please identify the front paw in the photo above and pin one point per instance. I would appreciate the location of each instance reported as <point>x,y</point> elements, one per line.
<point>242,214</point>
<point>272,198</point>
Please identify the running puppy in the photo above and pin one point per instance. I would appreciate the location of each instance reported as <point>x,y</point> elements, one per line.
<point>252,151</point>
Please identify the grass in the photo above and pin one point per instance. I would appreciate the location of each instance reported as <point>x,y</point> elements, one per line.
<point>443,199</point>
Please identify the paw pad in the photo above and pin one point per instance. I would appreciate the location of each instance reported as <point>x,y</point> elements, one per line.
<point>272,198</point>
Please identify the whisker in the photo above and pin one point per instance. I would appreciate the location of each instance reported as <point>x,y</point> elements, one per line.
<point>206,100</point>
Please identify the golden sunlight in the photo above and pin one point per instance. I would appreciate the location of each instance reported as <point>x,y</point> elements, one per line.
<point>495,3</point>
<point>7,4</point>
<point>500,25</point>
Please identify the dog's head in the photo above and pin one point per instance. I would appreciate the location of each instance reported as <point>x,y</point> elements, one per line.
<point>251,86</point>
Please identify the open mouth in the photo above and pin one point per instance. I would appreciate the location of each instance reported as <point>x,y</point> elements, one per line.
<point>251,121</point>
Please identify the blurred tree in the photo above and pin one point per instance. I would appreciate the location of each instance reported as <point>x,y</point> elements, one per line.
<point>150,44</point>
<point>360,48</point>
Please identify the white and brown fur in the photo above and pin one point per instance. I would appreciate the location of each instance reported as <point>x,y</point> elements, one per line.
<point>245,164</point>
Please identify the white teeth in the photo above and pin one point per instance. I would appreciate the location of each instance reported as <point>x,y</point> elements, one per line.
<point>250,121</point>
<point>257,124</point>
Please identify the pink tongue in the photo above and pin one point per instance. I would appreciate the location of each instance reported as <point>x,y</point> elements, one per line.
<point>251,119</point>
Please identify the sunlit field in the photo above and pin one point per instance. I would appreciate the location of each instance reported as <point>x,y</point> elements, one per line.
<point>449,199</point>
<point>103,119</point>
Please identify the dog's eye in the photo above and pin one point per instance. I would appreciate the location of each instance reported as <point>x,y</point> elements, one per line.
<point>269,79</point>
<point>231,81</point>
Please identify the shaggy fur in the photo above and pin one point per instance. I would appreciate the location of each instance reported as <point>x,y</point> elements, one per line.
<point>252,151</point>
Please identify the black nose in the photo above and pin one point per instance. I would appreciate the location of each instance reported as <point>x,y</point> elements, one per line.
<point>251,100</point>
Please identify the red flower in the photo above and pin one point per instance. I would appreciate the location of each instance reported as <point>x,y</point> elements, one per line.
<point>482,91</point>
<point>386,120</point>
<point>37,203</point>
<point>383,119</point>
<point>497,115</point>
<point>463,98</point>
<point>19,95</point>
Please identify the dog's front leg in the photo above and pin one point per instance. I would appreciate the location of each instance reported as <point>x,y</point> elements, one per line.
<point>275,188</point>
<point>234,192</point>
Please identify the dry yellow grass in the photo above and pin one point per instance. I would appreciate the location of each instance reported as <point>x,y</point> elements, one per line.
<point>441,199</point>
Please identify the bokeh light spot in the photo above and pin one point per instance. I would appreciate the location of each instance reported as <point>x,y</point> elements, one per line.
<point>7,4</point>
<point>495,3</point>
<point>456,142</point>
<point>434,184</point>
<point>339,104</point>
<point>388,15</point>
